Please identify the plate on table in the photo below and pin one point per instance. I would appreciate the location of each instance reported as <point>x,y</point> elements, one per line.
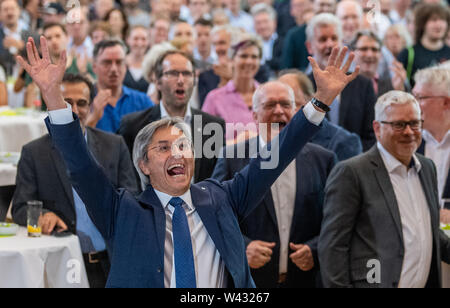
<point>8,229</point>
<point>9,157</point>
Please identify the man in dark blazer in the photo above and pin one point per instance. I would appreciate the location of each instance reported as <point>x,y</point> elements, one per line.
<point>143,245</point>
<point>43,175</point>
<point>264,228</point>
<point>172,105</point>
<point>357,100</point>
<point>381,213</point>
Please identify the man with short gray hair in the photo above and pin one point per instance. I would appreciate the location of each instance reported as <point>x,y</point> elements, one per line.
<point>432,91</point>
<point>381,218</point>
<point>281,234</point>
<point>353,108</point>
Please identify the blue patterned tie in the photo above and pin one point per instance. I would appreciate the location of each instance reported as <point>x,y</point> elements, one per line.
<point>182,246</point>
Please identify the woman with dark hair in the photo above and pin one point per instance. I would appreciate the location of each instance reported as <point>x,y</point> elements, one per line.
<point>431,24</point>
<point>118,22</point>
<point>233,102</point>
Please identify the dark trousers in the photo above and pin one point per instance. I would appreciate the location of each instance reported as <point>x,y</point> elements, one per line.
<point>97,269</point>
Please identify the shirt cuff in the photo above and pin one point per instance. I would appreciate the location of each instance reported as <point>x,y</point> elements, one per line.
<point>61,116</point>
<point>313,115</point>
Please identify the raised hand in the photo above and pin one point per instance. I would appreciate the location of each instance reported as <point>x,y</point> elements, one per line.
<point>46,75</point>
<point>333,79</point>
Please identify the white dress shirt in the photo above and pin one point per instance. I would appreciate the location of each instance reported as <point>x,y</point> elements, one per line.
<point>209,266</point>
<point>415,219</point>
<point>283,194</point>
<point>439,153</point>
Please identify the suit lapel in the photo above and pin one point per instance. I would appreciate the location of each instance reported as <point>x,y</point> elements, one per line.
<point>385,184</point>
<point>62,172</point>
<point>345,103</point>
<point>427,188</point>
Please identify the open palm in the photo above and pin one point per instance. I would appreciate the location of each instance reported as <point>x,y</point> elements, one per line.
<point>46,75</point>
<point>334,78</point>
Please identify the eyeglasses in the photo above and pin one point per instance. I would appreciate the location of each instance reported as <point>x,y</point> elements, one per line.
<point>422,98</point>
<point>365,49</point>
<point>401,125</point>
<point>174,74</point>
<point>180,145</point>
<point>269,106</point>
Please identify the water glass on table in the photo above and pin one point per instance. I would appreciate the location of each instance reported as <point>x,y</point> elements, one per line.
<point>34,215</point>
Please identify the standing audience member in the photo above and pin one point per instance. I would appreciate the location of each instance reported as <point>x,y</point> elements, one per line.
<point>135,15</point>
<point>353,108</point>
<point>350,13</point>
<point>432,91</point>
<point>382,209</point>
<point>239,18</point>
<point>31,15</point>
<point>77,26</point>
<point>175,80</point>
<point>99,31</point>
<point>265,20</point>
<point>332,137</point>
<point>203,51</point>
<point>43,175</point>
<point>233,102</point>
<point>148,69</point>
<point>53,12</point>
<point>99,8</point>
<point>138,43</point>
<point>367,48</point>
<point>399,11</point>
<point>431,26</point>
<point>198,9</point>
<point>222,72</point>
<point>110,68</point>
<point>219,17</point>
<point>295,54</point>
<point>118,22</point>
<point>281,234</point>
<point>12,34</point>
<point>159,31</point>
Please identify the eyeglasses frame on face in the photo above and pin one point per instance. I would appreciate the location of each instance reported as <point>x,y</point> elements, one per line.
<point>178,143</point>
<point>174,74</point>
<point>400,126</point>
<point>422,98</point>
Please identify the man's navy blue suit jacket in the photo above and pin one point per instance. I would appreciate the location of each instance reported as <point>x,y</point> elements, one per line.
<point>134,228</point>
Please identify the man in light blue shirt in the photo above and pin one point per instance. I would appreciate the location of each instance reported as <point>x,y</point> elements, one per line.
<point>116,99</point>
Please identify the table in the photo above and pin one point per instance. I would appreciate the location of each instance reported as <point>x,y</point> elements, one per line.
<point>18,127</point>
<point>45,262</point>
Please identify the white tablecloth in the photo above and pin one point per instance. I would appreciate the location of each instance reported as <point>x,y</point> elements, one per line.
<point>7,174</point>
<point>41,262</point>
<point>446,270</point>
<point>15,131</point>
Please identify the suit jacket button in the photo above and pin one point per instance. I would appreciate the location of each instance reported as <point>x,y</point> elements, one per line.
<point>159,270</point>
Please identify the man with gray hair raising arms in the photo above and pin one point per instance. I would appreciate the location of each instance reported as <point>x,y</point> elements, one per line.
<point>175,234</point>
<point>381,212</point>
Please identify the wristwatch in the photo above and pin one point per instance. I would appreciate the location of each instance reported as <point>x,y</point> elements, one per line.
<point>319,104</point>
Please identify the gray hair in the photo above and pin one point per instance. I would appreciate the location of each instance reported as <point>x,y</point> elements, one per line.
<point>145,137</point>
<point>401,30</point>
<point>152,56</point>
<point>321,20</point>
<point>260,94</point>
<point>438,76</point>
<point>391,98</point>
<point>263,8</point>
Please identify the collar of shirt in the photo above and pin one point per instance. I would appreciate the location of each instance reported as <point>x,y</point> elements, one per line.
<point>165,199</point>
<point>393,163</point>
<point>429,138</point>
<point>231,88</point>
<point>187,116</point>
